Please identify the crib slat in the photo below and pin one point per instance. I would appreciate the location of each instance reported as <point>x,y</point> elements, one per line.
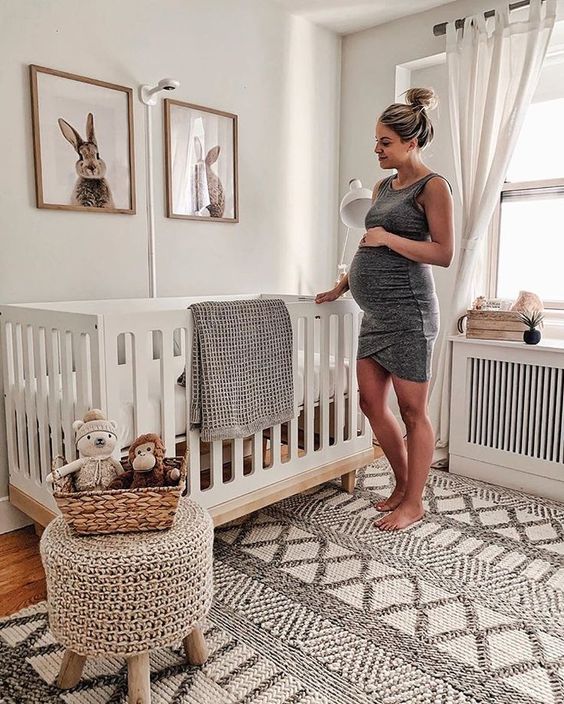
<point>339,399</point>
<point>167,383</point>
<point>324,322</point>
<point>216,449</point>
<point>142,356</point>
<point>112,390</point>
<point>82,366</point>
<point>9,385</point>
<point>353,385</point>
<point>193,474</point>
<point>54,386</point>
<point>67,395</point>
<point>39,353</point>
<point>192,436</point>
<point>309,396</point>
<point>97,369</point>
<point>257,452</point>
<point>293,424</point>
<point>29,398</point>
<point>21,423</point>
<point>275,446</point>
<point>237,459</point>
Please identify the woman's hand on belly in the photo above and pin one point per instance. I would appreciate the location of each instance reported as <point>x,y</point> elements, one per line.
<point>375,237</point>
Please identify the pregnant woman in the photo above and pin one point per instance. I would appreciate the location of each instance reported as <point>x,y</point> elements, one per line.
<point>409,228</point>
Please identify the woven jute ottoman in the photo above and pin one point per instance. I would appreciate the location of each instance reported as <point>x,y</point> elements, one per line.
<point>127,594</point>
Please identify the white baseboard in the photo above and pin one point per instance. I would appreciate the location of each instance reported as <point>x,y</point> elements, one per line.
<point>10,518</point>
<point>508,477</point>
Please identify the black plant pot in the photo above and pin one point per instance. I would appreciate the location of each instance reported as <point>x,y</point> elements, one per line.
<point>532,337</point>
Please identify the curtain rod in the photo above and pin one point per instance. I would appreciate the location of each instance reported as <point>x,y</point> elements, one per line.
<point>440,29</point>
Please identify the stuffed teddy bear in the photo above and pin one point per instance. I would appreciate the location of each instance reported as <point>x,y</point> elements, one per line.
<point>146,457</point>
<point>95,469</point>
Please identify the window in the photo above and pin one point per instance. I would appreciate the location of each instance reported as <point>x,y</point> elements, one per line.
<point>528,228</point>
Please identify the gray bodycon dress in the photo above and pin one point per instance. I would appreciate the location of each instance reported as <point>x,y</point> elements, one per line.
<point>397,295</point>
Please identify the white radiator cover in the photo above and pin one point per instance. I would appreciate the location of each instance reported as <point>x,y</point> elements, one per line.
<point>507,413</point>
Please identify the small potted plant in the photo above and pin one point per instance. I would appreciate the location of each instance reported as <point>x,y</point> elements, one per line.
<point>532,319</point>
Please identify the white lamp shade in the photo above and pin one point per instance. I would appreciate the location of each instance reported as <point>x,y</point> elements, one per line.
<point>355,205</point>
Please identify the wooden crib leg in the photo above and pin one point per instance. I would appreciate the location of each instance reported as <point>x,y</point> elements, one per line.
<point>138,679</point>
<point>70,670</point>
<point>195,647</point>
<point>348,481</point>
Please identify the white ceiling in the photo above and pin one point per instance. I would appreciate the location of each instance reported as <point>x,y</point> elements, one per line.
<point>346,16</point>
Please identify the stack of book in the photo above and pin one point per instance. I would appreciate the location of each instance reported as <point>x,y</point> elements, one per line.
<point>495,325</point>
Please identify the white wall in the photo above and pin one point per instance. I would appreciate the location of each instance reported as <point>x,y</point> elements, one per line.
<point>280,74</point>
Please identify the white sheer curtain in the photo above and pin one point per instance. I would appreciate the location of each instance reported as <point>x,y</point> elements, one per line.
<point>492,77</point>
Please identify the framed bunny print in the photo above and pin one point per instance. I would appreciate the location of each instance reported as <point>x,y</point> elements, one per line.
<point>201,162</point>
<point>83,143</point>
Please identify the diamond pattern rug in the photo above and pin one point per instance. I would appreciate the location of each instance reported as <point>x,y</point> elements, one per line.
<point>313,605</point>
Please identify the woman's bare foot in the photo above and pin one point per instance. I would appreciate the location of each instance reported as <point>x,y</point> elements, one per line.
<point>402,517</point>
<point>393,501</point>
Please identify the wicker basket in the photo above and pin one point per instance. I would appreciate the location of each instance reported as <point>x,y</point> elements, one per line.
<point>124,510</point>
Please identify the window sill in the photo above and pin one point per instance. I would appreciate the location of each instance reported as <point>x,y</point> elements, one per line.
<point>550,344</point>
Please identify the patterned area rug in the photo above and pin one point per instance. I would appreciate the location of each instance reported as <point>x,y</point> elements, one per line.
<point>313,605</point>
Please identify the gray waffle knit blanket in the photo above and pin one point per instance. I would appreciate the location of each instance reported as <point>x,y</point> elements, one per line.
<point>241,374</point>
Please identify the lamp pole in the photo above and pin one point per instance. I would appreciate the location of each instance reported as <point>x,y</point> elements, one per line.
<point>148,96</point>
<point>342,267</point>
<point>151,261</point>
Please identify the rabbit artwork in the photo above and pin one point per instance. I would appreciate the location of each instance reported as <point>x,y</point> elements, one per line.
<point>91,190</point>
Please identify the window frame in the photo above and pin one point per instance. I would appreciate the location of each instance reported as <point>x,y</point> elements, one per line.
<point>519,190</point>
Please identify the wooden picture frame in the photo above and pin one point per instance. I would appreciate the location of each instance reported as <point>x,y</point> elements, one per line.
<point>201,154</point>
<point>82,142</point>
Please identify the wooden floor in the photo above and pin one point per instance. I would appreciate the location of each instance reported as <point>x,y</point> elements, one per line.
<point>22,579</point>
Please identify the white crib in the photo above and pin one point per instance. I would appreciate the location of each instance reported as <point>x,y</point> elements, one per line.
<point>124,356</point>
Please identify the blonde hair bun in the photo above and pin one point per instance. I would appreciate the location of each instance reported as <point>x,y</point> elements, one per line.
<point>410,120</point>
<point>424,97</point>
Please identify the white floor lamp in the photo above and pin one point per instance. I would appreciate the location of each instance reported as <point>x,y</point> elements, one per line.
<point>148,96</point>
<point>353,209</point>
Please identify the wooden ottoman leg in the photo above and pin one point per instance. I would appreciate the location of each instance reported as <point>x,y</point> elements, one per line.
<point>195,647</point>
<point>348,481</point>
<point>138,679</point>
<point>71,669</point>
